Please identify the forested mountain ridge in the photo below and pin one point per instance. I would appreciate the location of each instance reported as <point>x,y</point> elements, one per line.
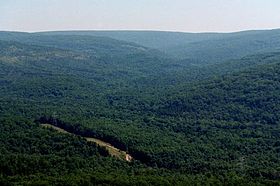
<point>184,124</point>
<point>162,39</point>
<point>218,50</point>
<point>198,48</point>
<point>98,46</point>
<point>201,47</point>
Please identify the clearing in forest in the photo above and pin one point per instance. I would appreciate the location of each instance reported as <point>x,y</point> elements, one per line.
<point>113,151</point>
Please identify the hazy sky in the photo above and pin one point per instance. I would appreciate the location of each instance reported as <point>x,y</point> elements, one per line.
<point>175,15</point>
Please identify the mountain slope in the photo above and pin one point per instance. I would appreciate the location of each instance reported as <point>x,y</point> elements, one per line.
<point>247,96</point>
<point>224,129</point>
<point>159,39</point>
<point>200,47</point>
<point>234,47</point>
<point>98,46</point>
<point>151,39</point>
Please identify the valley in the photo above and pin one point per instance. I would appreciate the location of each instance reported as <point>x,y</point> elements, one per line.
<point>139,108</point>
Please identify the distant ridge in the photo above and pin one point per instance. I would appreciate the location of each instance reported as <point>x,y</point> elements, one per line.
<point>203,48</point>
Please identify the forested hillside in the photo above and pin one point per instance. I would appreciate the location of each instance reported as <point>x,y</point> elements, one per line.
<point>203,48</point>
<point>183,121</point>
<point>198,48</point>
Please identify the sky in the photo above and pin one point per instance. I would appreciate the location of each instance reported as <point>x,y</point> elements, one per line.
<point>168,15</point>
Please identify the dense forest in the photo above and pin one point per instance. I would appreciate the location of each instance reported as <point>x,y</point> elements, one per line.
<point>194,119</point>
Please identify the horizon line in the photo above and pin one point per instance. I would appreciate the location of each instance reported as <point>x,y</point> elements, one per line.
<point>141,30</point>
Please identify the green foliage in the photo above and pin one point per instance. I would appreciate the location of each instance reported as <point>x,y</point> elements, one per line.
<point>183,124</point>
<point>196,48</point>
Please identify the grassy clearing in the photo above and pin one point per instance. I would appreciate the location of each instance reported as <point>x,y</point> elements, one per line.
<point>113,151</point>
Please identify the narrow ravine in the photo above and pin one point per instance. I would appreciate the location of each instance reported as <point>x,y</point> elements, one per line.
<point>113,151</point>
